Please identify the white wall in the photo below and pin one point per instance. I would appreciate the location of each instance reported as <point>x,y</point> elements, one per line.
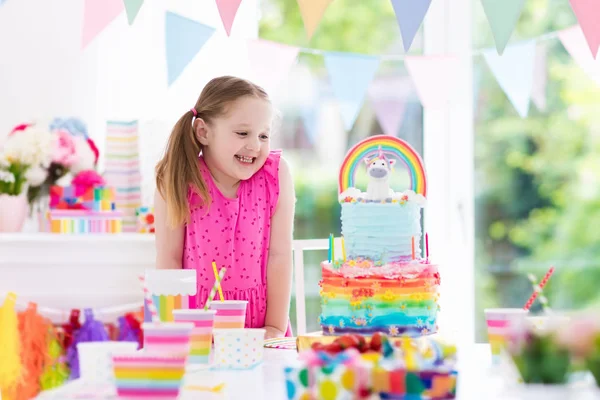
<point>44,73</point>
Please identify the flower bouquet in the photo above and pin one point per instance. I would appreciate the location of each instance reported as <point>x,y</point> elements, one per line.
<point>62,148</point>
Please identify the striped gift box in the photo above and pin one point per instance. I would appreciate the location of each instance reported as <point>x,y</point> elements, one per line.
<point>122,169</point>
<point>148,376</point>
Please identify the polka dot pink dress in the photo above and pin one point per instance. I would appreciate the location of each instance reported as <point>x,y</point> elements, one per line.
<point>235,234</point>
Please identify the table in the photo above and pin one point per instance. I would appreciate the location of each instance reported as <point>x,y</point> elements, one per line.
<point>477,379</point>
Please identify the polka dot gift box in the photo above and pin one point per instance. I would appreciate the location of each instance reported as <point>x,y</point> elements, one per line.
<point>238,348</point>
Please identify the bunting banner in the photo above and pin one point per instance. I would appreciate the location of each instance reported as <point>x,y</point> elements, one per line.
<point>514,73</point>
<point>312,12</point>
<point>263,55</point>
<point>132,8</point>
<point>434,78</point>
<point>574,42</point>
<point>502,17</point>
<point>387,96</point>
<point>350,76</point>
<point>540,77</point>
<point>184,38</point>
<point>410,15</point>
<point>227,10</point>
<point>97,15</point>
<point>588,15</point>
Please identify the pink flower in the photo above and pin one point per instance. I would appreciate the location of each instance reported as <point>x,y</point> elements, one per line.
<point>64,149</point>
<point>87,179</point>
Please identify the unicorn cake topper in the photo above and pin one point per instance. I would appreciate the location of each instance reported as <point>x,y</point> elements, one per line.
<point>379,169</point>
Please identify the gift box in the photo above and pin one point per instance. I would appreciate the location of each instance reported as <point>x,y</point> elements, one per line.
<point>171,289</point>
<point>145,219</point>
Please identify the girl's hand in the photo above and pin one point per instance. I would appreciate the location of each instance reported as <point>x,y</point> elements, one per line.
<point>272,332</point>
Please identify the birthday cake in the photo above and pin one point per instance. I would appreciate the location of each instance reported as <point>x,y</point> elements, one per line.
<point>381,283</point>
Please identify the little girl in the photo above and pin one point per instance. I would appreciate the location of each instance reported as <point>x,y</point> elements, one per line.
<point>224,196</point>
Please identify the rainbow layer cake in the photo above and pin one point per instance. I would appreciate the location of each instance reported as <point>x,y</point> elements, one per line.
<point>382,283</point>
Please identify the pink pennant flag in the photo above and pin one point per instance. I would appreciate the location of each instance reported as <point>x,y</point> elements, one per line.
<point>97,15</point>
<point>227,10</point>
<point>388,98</point>
<point>573,40</point>
<point>264,55</point>
<point>588,15</point>
<point>434,78</point>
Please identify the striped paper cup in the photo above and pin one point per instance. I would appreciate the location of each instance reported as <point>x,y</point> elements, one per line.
<point>238,348</point>
<point>148,375</point>
<point>172,338</point>
<point>231,314</point>
<point>201,341</point>
<point>499,322</point>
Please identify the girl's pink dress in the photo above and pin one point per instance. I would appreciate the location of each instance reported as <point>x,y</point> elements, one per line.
<point>235,234</point>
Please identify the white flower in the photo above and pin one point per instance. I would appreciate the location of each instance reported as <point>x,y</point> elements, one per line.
<point>7,176</point>
<point>85,156</point>
<point>36,175</point>
<point>3,161</point>
<point>33,146</point>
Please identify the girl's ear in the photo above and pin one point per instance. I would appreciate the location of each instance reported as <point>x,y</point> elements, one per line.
<point>201,130</point>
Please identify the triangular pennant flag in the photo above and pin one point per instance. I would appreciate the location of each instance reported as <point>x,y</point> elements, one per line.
<point>502,16</point>
<point>184,38</point>
<point>263,55</point>
<point>410,15</point>
<point>514,73</point>
<point>312,12</point>
<point>573,40</point>
<point>227,11</point>
<point>97,15</point>
<point>588,15</point>
<point>434,78</point>
<point>350,76</point>
<point>540,77</point>
<point>388,98</point>
<point>132,8</point>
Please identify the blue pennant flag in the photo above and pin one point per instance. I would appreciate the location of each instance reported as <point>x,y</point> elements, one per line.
<point>410,15</point>
<point>514,72</point>
<point>184,39</point>
<point>350,76</point>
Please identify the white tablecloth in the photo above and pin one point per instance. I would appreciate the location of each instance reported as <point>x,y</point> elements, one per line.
<point>478,379</point>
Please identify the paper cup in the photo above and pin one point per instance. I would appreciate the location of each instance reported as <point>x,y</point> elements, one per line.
<point>95,360</point>
<point>148,376</point>
<point>231,314</point>
<point>238,348</point>
<point>201,339</point>
<point>172,338</point>
<point>499,322</point>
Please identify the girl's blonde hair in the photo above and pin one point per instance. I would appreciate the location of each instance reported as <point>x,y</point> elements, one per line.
<point>177,172</point>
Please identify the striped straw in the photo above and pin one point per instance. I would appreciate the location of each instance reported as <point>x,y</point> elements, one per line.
<point>214,289</point>
<point>148,300</point>
<point>538,290</point>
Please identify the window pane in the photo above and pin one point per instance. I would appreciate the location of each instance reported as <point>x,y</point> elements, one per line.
<point>537,178</point>
<point>312,133</point>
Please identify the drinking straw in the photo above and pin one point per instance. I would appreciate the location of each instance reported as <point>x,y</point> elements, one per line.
<point>216,286</point>
<point>148,300</point>
<point>538,289</point>
<point>214,265</point>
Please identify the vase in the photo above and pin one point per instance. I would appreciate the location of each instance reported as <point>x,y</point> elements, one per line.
<point>13,212</point>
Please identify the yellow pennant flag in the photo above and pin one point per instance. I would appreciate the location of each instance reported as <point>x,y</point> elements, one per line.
<point>312,11</point>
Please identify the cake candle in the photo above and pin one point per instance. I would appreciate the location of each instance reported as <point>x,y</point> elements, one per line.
<point>412,246</point>
<point>329,253</point>
<point>343,250</point>
<point>332,248</point>
<point>427,246</point>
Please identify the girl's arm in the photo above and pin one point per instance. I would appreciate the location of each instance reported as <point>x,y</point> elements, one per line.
<point>279,265</point>
<point>169,241</point>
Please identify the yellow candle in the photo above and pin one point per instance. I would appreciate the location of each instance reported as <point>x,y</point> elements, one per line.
<point>343,250</point>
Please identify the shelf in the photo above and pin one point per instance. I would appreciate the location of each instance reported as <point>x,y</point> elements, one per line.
<point>6,238</point>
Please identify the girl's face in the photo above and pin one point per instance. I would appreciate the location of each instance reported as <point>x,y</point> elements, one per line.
<point>237,143</point>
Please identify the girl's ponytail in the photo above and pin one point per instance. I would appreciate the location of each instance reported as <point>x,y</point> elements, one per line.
<point>178,170</point>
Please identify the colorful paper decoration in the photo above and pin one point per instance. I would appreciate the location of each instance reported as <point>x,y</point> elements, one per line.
<point>388,97</point>
<point>588,15</point>
<point>574,41</point>
<point>123,169</point>
<point>350,76</point>
<point>227,11</point>
<point>502,16</point>
<point>132,8</point>
<point>97,15</point>
<point>170,290</point>
<point>514,73</point>
<point>410,15</point>
<point>434,78</point>
<point>263,54</point>
<point>312,12</point>
<point>10,348</point>
<point>184,38</point>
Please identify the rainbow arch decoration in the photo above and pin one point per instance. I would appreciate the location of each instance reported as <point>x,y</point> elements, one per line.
<point>390,145</point>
